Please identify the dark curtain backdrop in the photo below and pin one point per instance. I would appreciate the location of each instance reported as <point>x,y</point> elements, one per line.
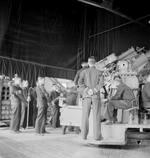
<point>41,32</point>
<point>31,71</point>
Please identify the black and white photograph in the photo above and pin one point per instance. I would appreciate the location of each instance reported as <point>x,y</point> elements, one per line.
<point>74,79</point>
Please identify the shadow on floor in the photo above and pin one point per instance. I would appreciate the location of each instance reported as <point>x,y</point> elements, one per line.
<point>123,147</point>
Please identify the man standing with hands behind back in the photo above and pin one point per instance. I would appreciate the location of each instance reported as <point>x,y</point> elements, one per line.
<point>90,82</point>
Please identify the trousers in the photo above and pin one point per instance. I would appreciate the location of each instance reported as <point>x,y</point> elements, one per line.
<point>41,119</point>
<point>16,116</point>
<point>95,103</point>
<point>112,105</point>
<point>23,121</point>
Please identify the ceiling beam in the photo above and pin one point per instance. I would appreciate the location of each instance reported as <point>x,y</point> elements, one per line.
<point>116,27</point>
<point>89,2</point>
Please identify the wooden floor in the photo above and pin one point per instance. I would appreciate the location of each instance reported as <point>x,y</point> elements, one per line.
<point>55,145</point>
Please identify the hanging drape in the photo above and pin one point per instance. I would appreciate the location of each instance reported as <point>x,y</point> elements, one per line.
<point>43,33</point>
<point>30,71</point>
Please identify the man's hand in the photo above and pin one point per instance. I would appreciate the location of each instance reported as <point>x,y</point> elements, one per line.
<point>90,92</point>
<point>52,103</point>
<point>28,99</point>
<point>48,104</point>
<point>105,100</point>
<point>95,90</point>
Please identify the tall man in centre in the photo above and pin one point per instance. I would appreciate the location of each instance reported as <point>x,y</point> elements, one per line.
<point>90,83</point>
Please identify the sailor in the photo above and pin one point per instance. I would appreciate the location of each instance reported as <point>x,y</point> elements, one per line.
<point>54,99</point>
<point>122,99</point>
<point>90,83</point>
<point>16,98</point>
<point>23,122</point>
<point>42,104</point>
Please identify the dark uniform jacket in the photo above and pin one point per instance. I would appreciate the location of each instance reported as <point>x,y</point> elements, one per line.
<point>76,79</point>
<point>25,95</point>
<point>16,95</point>
<point>42,96</point>
<point>54,96</point>
<point>90,78</point>
<point>124,93</point>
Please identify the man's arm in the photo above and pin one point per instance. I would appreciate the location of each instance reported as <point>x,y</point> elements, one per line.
<point>100,82</point>
<point>76,78</point>
<point>42,92</point>
<point>81,81</point>
<point>21,96</point>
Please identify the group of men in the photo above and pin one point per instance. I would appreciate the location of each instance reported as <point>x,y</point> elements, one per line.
<point>21,96</point>
<point>90,81</point>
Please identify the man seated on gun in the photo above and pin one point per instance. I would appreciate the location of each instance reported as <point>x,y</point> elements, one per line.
<point>122,99</point>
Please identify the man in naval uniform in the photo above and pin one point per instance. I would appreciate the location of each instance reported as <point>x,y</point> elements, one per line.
<point>24,107</point>
<point>90,83</point>
<point>16,98</point>
<point>42,105</point>
<point>123,99</point>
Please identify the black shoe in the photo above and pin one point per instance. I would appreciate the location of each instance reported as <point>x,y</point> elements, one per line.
<point>16,132</point>
<point>107,122</point>
<point>42,134</point>
<point>84,138</point>
<point>99,139</point>
<point>46,132</point>
<point>103,120</point>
